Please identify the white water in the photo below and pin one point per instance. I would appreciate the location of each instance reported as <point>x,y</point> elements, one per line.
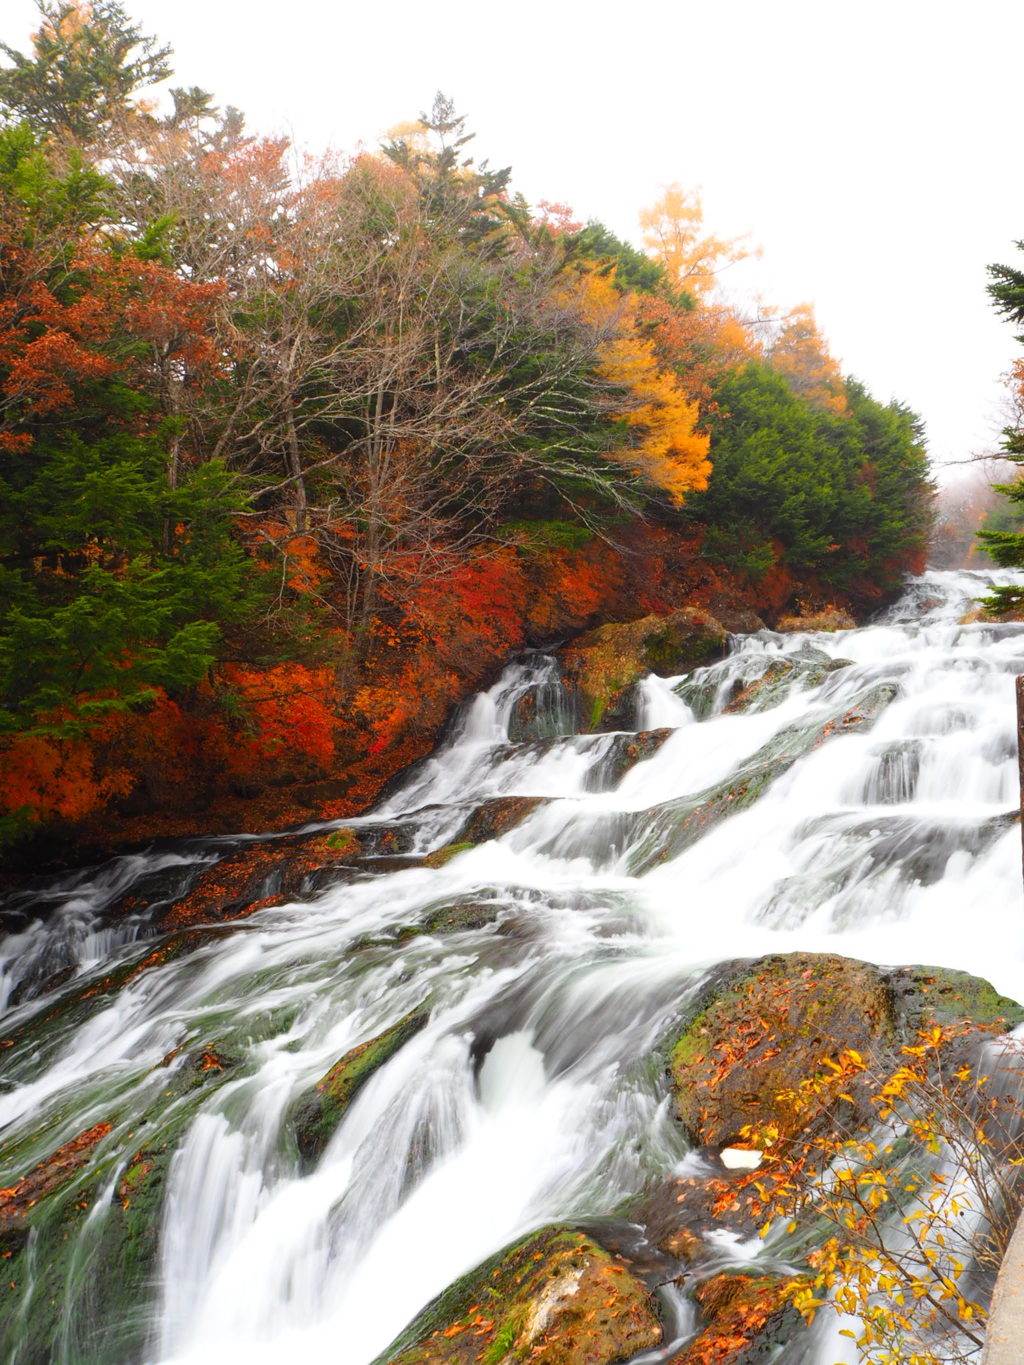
<point>525,1099</point>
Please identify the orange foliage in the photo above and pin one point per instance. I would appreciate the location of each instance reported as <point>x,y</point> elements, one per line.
<point>56,778</point>
<point>304,567</point>
<point>700,345</point>
<point>49,345</point>
<point>801,356</point>
<point>670,453</point>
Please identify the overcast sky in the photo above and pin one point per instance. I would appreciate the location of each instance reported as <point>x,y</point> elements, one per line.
<point>868,149</point>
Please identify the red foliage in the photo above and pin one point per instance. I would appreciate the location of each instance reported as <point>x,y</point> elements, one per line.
<point>56,778</point>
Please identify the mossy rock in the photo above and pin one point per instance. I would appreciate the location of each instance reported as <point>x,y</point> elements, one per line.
<point>762,1026</point>
<point>765,1026</point>
<point>80,1258</point>
<point>494,818</point>
<point>554,1298</point>
<point>940,995</point>
<point>601,665</point>
<point>446,853</point>
<point>462,917</point>
<point>318,1114</point>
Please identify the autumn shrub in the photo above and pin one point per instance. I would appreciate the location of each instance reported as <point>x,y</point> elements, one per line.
<point>914,1216</point>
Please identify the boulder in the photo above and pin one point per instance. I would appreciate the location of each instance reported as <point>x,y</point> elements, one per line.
<point>763,1028</point>
<point>601,666</point>
<point>554,1298</point>
<point>494,818</point>
<point>749,1318</point>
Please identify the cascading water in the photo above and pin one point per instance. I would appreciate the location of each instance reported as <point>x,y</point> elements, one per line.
<point>529,1095</point>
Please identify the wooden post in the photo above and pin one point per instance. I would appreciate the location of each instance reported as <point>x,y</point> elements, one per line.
<point>1020,756</point>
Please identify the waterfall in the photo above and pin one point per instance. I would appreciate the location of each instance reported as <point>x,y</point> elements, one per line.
<point>528,1095</point>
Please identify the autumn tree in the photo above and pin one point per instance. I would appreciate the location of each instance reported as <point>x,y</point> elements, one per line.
<point>800,354</point>
<point>693,259</point>
<point>916,1214</point>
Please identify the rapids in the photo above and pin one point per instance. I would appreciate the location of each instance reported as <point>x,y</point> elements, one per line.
<point>529,1096</point>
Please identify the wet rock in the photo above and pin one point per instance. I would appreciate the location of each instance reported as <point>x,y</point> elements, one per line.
<point>46,1214</point>
<point>769,1024</point>
<point>679,1213</point>
<point>17,1200</point>
<point>782,677</point>
<point>440,856</point>
<point>623,753</point>
<point>544,711</point>
<point>555,1298</point>
<point>261,874</point>
<point>495,818</point>
<point>671,828</point>
<point>601,665</point>
<point>79,1004</point>
<point>820,618</point>
<point>750,1318</point>
<point>317,1115</point>
<point>386,841</point>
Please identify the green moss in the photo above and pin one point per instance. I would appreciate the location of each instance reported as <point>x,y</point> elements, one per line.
<point>555,535</point>
<point>80,1286</point>
<point>445,854</point>
<point>316,1116</point>
<point>502,1347</point>
<point>943,996</point>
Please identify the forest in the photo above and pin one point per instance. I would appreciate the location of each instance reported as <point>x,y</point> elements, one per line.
<point>295,451</point>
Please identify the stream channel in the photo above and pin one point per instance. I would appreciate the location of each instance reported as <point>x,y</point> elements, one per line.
<point>529,1095</point>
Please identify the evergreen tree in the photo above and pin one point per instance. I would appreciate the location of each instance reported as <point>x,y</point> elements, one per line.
<point>88,62</point>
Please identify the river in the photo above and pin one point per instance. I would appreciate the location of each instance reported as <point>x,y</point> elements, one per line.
<point>526,1098</point>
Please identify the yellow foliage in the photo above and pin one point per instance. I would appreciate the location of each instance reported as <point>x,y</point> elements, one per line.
<point>667,449</point>
<point>673,233</point>
<point>669,452</point>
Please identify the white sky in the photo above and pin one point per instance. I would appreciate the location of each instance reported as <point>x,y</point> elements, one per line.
<point>870,149</point>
